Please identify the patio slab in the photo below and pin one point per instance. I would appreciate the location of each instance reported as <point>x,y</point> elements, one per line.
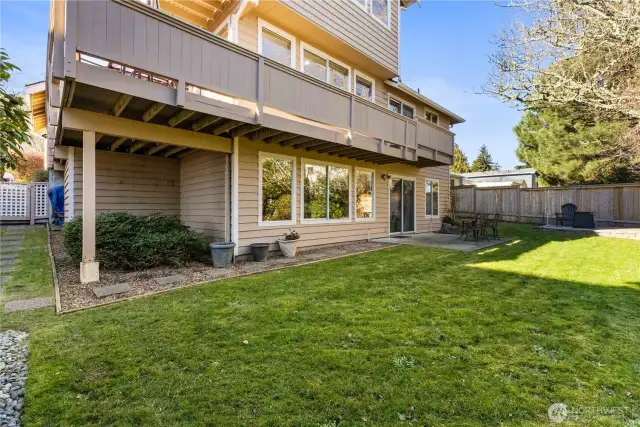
<point>618,233</point>
<point>442,241</point>
<point>169,280</point>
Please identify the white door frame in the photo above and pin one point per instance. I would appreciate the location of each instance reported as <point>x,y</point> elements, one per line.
<point>415,193</point>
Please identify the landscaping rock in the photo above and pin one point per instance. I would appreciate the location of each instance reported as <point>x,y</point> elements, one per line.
<point>105,291</point>
<point>13,375</point>
<point>169,280</point>
<point>27,304</point>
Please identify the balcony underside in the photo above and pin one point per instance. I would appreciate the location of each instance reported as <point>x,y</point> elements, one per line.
<point>276,129</point>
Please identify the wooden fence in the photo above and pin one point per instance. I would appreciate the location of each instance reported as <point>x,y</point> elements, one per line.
<point>24,203</point>
<point>613,205</point>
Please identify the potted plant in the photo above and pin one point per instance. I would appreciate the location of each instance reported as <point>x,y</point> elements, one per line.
<point>289,245</point>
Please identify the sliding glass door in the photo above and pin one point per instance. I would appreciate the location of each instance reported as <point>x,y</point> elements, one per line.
<point>402,206</point>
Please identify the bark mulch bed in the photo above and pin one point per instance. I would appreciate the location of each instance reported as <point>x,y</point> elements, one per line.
<point>75,295</point>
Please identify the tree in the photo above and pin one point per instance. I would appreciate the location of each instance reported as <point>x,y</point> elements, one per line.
<point>27,165</point>
<point>566,53</point>
<point>484,162</point>
<point>460,161</point>
<point>14,119</point>
<point>568,150</point>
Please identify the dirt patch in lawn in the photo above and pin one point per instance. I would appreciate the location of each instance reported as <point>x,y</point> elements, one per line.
<point>75,295</point>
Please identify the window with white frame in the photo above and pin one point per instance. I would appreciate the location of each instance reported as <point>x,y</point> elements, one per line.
<point>325,191</point>
<point>364,183</point>
<point>364,86</point>
<point>321,66</point>
<point>276,44</point>
<point>401,107</point>
<point>432,117</point>
<point>379,9</point>
<point>432,197</point>
<point>276,187</point>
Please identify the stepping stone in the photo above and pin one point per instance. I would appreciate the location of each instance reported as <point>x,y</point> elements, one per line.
<point>6,262</point>
<point>14,233</point>
<point>27,304</point>
<point>16,227</point>
<point>10,249</point>
<point>169,280</point>
<point>4,279</point>
<point>6,269</point>
<point>105,291</point>
<point>8,257</point>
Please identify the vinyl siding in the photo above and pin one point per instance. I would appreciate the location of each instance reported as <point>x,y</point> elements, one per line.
<point>325,233</point>
<point>204,195</point>
<point>351,24</point>
<point>141,185</point>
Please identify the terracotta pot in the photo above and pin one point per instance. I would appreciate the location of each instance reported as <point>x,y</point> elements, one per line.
<point>288,247</point>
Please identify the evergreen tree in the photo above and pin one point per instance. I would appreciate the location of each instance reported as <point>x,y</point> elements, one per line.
<point>566,150</point>
<point>484,162</point>
<point>460,161</point>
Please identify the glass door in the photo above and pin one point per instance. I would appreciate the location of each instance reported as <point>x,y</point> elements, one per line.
<point>395,206</point>
<point>408,211</point>
<point>401,206</point>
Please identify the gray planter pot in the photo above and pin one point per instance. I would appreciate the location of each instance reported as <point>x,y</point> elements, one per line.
<point>288,247</point>
<point>222,254</point>
<point>260,251</point>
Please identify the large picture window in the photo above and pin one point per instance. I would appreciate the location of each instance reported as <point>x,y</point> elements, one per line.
<point>364,194</point>
<point>432,198</point>
<point>276,44</point>
<point>277,200</point>
<point>321,66</point>
<point>325,191</point>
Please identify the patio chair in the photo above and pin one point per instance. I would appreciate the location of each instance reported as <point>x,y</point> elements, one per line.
<point>493,224</point>
<point>567,214</point>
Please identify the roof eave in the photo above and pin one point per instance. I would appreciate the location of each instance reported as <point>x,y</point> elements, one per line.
<point>406,89</point>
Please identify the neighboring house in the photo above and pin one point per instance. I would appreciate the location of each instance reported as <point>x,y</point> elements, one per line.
<point>505,178</point>
<point>244,117</point>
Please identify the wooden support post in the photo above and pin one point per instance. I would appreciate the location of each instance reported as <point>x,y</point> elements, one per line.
<point>519,205</point>
<point>234,194</point>
<point>260,94</point>
<point>70,47</point>
<point>473,192</point>
<point>31,193</point>
<point>89,268</point>
<point>180,93</point>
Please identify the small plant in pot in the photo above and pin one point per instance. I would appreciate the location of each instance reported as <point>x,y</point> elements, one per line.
<point>289,245</point>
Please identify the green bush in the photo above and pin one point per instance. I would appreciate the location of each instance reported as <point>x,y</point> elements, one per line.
<point>127,241</point>
<point>40,175</point>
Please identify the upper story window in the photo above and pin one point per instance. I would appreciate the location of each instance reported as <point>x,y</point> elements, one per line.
<point>321,66</point>
<point>276,44</point>
<point>379,9</point>
<point>402,107</point>
<point>432,117</point>
<point>365,86</point>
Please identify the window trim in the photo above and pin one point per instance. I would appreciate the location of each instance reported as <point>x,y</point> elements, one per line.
<point>426,110</point>
<point>306,46</point>
<point>262,24</point>
<point>402,103</point>
<point>292,221</point>
<point>303,220</point>
<point>357,74</point>
<point>357,169</point>
<point>426,214</point>
<point>368,9</point>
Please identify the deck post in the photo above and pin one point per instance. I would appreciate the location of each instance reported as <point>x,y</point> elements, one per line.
<point>234,194</point>
<point>89,267</point>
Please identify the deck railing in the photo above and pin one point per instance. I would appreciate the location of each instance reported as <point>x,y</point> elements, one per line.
<point>136,35</point>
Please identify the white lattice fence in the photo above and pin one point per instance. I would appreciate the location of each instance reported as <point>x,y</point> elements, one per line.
<point>24,202</point>
<point>41,201</point>
<point>14,201</point>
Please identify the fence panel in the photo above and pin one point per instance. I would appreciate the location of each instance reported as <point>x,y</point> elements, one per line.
<point>611,204</point>
<point>24,202</point>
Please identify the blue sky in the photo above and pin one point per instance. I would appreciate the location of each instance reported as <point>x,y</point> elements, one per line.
<point>444,49</point>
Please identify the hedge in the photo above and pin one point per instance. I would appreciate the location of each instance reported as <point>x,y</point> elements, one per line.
<point>126,241</point>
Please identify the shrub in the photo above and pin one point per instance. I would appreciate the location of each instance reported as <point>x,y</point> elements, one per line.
<point>134,242</point>
<point>40,175</point>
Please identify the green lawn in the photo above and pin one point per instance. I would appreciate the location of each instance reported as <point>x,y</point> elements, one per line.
<point>31,277</point>
<point>482,338</point>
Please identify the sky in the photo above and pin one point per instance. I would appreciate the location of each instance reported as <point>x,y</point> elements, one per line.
<point>444,50</point>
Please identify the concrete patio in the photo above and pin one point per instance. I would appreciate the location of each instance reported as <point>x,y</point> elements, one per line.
<point>618,233</point>
<point>442,241</point>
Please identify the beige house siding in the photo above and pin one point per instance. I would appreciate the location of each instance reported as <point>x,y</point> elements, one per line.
<point>351,24</point>
<point>325,233</point>
<point>141,185</point>
<point>204,194</point>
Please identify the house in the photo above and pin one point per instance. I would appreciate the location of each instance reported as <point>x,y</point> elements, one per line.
<point>525,178</point>
<point>244,117</point>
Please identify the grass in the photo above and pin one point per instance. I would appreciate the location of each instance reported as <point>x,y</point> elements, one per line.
<point>406,335</point>
<point>31,277</point>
